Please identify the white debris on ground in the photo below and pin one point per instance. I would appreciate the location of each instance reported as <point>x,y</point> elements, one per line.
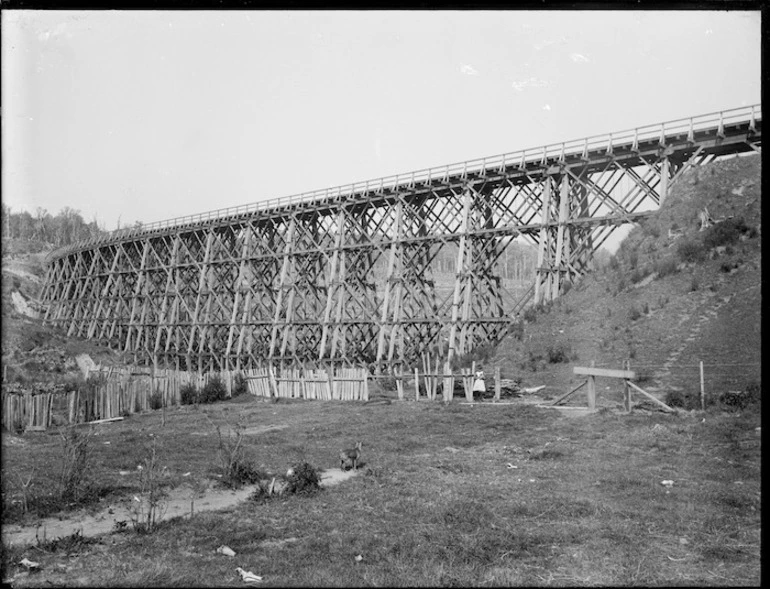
<point>21,305</point>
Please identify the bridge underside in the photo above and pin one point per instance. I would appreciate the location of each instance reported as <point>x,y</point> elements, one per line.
<point>351,277</point>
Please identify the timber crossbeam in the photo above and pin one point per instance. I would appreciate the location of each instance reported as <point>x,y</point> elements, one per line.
<point>351,274</point>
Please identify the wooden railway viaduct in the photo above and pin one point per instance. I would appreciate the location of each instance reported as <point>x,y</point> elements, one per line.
<point>345,274</point>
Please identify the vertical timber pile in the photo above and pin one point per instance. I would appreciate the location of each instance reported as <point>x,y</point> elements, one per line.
<point>351,274</point>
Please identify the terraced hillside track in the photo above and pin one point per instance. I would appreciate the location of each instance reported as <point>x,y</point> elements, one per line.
<point>291,280</point>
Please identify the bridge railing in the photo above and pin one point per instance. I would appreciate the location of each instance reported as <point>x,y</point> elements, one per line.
<point>482,166</point>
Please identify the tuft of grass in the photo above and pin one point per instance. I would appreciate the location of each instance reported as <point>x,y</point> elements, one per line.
<point>691,251</point>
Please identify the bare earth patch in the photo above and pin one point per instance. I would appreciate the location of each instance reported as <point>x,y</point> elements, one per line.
<point>178,505</point>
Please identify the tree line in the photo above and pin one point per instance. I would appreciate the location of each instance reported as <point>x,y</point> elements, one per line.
<point>64,228</point>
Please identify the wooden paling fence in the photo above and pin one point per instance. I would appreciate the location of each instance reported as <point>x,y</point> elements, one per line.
<point>434,377</point>
<point>342,384</point>
<point>27,410</point>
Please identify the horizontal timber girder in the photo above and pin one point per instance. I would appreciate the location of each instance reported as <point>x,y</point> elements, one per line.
<point>350,275</point>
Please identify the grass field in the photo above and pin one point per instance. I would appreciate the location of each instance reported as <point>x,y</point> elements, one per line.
<point>447,495</point>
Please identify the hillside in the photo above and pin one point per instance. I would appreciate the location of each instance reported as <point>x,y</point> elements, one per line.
<point>672,296</point>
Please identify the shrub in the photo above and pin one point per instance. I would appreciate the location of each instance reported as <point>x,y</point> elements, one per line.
<point>683,400</point>
<point>240,385</point>
<point>214,391</point>
<point>156,400</point>
<point>666,267</point>
<point>694,284</point>
<point>558,353</point>
<point>691,251</point>
<point>724,232</point>
<point>530,314</point>
<point>738,400</point>
<point>304,479</point>
<point>189,394</point>
<point>633,314</point>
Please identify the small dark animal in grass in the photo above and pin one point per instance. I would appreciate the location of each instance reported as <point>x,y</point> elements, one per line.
<point>349,458</point>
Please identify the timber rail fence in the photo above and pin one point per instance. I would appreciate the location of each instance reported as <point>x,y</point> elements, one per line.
<point>347,275</point>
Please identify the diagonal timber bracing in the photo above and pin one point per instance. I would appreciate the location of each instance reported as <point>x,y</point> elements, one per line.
<point>349,274</point>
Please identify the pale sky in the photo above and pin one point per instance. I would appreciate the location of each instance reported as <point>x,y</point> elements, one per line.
<point>151,115</point>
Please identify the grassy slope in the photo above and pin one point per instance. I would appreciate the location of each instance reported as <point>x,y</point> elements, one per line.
<point>717,323</point>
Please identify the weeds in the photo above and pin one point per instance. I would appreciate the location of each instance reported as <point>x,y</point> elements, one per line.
<point>236,470</point>
<point>691,251</point>
<point>69,545</point>
<point>76,454</point>
<point>148,507</point>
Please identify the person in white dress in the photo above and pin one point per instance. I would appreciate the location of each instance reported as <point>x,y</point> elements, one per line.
<point>479,388</point>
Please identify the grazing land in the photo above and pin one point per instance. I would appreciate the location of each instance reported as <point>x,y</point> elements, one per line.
<point>446,495</point>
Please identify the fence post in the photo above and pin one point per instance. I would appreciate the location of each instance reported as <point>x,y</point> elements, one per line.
<point>591,389</point>
<point>416,385</point>
<point>702,389</point>
<point>627,390</point>
<point>498,384</point>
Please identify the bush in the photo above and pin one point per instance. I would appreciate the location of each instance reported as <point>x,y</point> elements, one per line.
<point>640,274</point>
<point>666,267</point>
<point>691,251</point>
<point>724,232</point>
<point>189,394</point>
<point>240,385</point>
<point>558,353</point>
<point>738,400</point>
<point>156,400</point>
<point>688,401</point>
<point>304,479</point>
<point>633,314</point>
<point>214,391</point>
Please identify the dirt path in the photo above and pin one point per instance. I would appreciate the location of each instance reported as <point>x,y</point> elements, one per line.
<point>179,503</point>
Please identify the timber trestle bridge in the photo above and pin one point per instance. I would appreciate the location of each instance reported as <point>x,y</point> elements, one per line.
<point>347,275</point>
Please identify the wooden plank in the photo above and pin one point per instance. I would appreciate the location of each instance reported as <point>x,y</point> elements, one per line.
<point>608,372</point>
<point>576,389</point>
<point>653,399</point>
